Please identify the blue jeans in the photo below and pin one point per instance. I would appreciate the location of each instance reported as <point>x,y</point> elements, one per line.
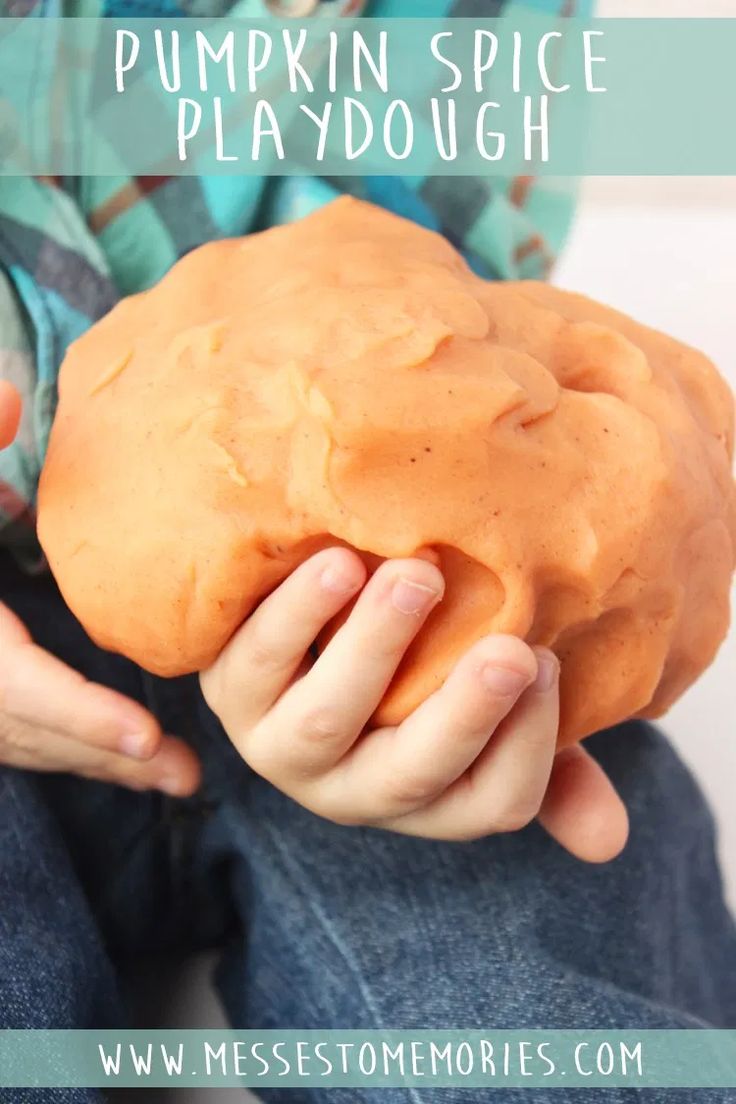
<point>323,926</point>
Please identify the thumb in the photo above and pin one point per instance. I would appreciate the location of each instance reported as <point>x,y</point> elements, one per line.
<point>9,412</point>
<point>582,810</point>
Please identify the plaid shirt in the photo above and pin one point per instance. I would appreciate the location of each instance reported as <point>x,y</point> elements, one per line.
<point>70,248</point>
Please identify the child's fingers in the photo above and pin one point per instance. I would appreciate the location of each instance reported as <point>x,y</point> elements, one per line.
<point>319,718</point>
<point>504,788</point>
<point>9,413</point>
<point>174,768</point>
<point>38,689</point>
<point>394,771</point>
<point>582,810</point>
<point>263,656</point>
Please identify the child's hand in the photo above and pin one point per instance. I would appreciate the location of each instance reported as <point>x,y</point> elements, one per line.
<point>477,757</point>
<point>52,719</point>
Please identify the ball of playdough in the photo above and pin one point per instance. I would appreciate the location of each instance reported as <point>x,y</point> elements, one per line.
<point>348,379</point>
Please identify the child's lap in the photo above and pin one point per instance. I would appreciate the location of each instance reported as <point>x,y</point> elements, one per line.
<point>507,931</point>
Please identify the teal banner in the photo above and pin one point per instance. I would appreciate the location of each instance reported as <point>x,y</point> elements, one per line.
<point>438,1059</point>
<point>410,97</point>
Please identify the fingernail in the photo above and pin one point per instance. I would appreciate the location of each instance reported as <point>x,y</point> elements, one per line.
<point>336,581</point>
<point>410,597</point>
<point>503,681</point>
<point>135,744</point>
<point>548,669</point>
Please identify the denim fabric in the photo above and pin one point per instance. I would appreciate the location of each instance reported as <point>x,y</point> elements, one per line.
<point>323,926</point>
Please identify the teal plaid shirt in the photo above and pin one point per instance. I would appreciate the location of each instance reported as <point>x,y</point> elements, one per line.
<point>69,249</point>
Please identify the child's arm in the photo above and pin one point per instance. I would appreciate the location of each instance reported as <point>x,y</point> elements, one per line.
<point>477,757</point>
<point>52,719</point>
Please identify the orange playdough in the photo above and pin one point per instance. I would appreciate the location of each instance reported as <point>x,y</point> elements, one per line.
<point>347,379</point>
